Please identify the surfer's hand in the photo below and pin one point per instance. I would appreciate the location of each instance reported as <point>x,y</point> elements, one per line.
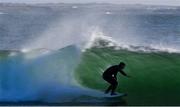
<point>114,78</point>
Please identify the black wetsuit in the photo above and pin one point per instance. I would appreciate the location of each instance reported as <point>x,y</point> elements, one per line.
<point>110,76</point>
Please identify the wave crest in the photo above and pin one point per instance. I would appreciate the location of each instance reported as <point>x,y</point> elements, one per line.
<point>108,42</point>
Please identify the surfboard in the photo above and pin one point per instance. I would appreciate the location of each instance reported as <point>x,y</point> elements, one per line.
<point>114,96</point>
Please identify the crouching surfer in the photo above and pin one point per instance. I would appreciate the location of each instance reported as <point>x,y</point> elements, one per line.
<point>110,74</point>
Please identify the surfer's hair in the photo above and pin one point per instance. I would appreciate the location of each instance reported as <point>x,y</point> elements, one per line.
<point>122,64</point>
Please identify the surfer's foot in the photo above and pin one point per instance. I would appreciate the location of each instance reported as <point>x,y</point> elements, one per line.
<point>113,93</point>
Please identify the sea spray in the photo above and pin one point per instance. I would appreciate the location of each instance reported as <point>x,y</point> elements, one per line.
<point>25,79</point>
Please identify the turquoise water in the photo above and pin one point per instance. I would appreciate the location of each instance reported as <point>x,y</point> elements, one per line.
<point>29,76</point>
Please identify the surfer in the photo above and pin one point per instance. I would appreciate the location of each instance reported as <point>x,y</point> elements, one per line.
<point>110,76</point>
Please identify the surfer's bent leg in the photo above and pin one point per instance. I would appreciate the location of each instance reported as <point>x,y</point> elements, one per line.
<point>113,83</point>
<point>108,89</point>
<point>108,79</point>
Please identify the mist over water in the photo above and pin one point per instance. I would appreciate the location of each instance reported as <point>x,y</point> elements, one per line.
<point>34,76</point>
<point>80,25</point>
<point>57,27</point>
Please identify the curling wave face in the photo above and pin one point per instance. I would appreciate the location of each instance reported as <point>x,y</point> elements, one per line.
<point>155,74</point>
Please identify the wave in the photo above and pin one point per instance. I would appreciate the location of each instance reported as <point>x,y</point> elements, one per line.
<point>154,75</point>
<point>62,75</point>
<point>38,76</point>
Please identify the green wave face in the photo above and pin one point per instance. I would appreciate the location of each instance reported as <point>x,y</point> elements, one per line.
<point>155,77</point>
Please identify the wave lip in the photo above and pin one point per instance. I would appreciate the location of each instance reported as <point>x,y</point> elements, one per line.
<point>108,42</point>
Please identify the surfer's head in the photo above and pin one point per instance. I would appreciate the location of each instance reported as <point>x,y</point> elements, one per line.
<point>122,65</point>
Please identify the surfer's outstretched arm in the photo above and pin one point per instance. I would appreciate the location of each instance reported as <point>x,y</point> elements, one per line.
<point>123,73</point>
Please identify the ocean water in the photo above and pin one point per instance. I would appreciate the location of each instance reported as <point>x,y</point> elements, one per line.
<point>52,52</point>
<point>154,76</point>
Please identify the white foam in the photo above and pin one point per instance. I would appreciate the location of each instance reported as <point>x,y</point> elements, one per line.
<point>25,50</point>
<point>74,7</point>
<point>97,35</point>
<point>108,13</point>
<point>1,13</point>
